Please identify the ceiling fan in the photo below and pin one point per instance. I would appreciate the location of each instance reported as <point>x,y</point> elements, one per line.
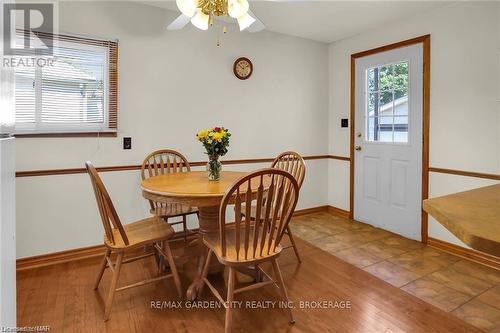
<point>201,14</point>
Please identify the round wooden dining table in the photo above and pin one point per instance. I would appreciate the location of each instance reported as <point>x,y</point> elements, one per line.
<point>193,189</point>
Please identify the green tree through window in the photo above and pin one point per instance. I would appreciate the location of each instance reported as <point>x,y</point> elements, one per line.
<point>388,80</point>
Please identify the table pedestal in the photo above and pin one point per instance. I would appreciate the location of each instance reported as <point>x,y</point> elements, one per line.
<point>209,223</point>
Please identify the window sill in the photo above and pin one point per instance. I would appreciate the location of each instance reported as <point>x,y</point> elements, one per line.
<point>68,135</point>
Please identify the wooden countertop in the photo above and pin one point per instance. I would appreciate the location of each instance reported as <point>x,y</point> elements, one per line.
<point>473,216</point>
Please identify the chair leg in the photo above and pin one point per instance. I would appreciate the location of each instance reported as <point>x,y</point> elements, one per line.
<point>171,263</point>
<point>204,274</point>
<point>159,259</point>
<point>289,233</point>
<point>184,226</point>
<point>281,284</point>
<point>101,269</point>
<point>230,294</point>
<point>112,288</point>
<point>259,276</point>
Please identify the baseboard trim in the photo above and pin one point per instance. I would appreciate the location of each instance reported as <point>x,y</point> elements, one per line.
<point>312,210</point>
<point>326,208</point>
<point>71,255</point>
<point>320,209</point>
<point>339,212</point>
<point>470,254</point>
<point>98,250</point>
<point>60,257</point>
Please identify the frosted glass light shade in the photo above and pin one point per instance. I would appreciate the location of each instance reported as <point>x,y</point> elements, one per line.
<point>7,101</point>
<point>245,21</point>
<point>237,8</point>
<point>187,7</point>
<point>200,20</point>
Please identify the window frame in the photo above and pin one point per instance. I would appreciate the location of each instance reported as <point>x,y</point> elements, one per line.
<point>110,127</point>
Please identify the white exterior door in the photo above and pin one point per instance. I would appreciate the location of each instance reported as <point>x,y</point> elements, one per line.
<point>388,140</point>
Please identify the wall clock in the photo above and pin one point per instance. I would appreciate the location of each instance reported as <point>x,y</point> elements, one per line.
<point>242,68</point>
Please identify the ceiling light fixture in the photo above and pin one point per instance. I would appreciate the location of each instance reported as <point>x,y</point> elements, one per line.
<point>202,12</point>
<point>245,21</point>
<point>200,20</point>
<point>187,7</point>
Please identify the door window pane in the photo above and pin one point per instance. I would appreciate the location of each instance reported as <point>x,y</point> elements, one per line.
<point>380,128</point>
<point>401,137</point>
<point>385,78</point>
<point>387,103</point>
<point>400,102</point>
<point>380,104</point>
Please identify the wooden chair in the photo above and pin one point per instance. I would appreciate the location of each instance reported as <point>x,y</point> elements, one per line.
<point>162,162</point>
<point>293,163</point>
<point>120,239</point>
<point>250,242</point>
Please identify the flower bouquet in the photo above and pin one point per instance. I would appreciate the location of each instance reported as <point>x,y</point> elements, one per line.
<point>216,141</point>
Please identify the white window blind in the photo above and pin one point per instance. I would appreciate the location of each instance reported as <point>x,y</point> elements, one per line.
<point>75,94</point>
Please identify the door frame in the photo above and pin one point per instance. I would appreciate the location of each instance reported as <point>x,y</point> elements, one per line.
<point>426,43</point>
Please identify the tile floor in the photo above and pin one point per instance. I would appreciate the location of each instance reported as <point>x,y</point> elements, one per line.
<point>468,290</point>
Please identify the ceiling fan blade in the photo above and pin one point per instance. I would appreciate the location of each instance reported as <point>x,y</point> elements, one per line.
<point>179,23</point>
<point>257,25</point>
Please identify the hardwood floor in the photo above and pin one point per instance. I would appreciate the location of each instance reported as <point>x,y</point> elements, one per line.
<point>61,296</point>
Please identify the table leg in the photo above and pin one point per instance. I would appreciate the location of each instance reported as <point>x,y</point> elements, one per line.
<point>209,223</point>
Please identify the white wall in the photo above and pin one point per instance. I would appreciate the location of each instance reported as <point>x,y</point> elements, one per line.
<point>170,85</point>
<point>173,83</point>
<point>465,89</point>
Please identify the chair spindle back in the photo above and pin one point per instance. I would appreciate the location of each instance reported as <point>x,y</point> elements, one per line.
<point>109,217</point>
<point>162,162</point>
<point>293,163</point>
<point>274,193</point>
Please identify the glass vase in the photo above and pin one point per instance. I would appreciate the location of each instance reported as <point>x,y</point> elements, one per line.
<point>214,168</point>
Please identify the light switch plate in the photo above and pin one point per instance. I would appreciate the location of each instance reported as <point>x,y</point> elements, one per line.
<point>344,122</point>
<point>127,143</point>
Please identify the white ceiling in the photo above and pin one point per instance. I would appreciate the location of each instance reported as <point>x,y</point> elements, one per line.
<point>328,21</point>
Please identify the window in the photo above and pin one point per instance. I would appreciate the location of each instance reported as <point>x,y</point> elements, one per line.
<point>75,93</point>
<point>387,103</point>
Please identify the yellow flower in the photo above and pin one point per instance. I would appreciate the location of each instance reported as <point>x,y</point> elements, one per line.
<point>202,134</point>
<point>217,136</point>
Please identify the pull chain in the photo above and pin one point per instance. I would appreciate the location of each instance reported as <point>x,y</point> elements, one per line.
<point>224,31</point>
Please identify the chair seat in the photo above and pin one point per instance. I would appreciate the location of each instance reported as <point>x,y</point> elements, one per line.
<point>140,233</point>
<point>232,257</point>
<point>173,210</point>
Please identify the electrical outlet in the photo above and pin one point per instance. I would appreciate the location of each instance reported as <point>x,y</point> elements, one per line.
<point>344,122</point>
<point>127,143</point>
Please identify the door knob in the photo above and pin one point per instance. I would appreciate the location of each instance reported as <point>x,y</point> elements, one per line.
<point>358,148</point>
